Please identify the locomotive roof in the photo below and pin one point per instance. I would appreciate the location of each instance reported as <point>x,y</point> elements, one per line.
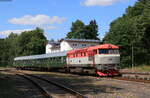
<point>103,46</point>
<point>57,54</point>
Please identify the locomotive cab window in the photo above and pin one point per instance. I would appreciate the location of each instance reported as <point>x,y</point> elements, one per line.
<point>108,51</point>
<point>103,51</point>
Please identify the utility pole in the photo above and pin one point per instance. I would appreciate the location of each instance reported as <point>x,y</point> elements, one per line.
<point>132,56</point>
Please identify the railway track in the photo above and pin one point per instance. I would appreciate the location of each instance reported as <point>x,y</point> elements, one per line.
<point>76,93</point>
<point>45,92</point>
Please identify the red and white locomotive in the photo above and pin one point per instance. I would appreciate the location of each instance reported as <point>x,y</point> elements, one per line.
<point>102,59</point>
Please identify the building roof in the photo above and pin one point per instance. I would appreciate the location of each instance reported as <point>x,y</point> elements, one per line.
<point>42,56</point>
<point>80,40</point>
<point>54,44</point>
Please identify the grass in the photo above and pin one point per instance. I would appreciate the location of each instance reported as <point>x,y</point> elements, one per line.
<point>142,68</point>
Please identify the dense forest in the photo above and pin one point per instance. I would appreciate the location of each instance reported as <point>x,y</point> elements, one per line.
<point>27,43</point>
<point>132,33</point>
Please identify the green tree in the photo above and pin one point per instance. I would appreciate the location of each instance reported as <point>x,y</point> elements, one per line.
<point>32,42</point>
<point>27,43</point>
<point>132,30</point>
<point>77,26</point>
<point>2,51</point>
<point>92,30</point>
<point>81,31</point>
<point>9,49</point>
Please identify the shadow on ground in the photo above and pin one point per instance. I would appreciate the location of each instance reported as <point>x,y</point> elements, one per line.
<point>12,86</point>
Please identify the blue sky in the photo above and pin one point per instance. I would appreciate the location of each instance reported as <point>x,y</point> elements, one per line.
<point>56,16</point>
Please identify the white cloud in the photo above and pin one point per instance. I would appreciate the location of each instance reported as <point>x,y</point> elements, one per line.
<point>100,2</point>
<point>37,20</point>
<point>7,32</point>
<point>48,27</point>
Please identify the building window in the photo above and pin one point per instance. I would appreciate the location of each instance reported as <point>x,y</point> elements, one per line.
<point>83,44</point>
<point>74,44</point>
<point>92,45</point>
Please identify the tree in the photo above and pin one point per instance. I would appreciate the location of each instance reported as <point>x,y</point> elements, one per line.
<point>94,30</point>
<point>8,49</point>
<point>2,51</point>
<point>81,31</point>
<point>27,43</point>
<point>76,27</point>
<point>132,30</point>
<point>32,42</point>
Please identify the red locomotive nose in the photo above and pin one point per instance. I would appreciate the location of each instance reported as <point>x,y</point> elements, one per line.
<point>108,73</point>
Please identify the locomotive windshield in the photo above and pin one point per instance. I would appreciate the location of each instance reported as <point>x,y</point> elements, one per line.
<point>108,51</point>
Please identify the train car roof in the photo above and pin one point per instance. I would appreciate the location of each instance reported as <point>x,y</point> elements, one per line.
<point>41,56</point>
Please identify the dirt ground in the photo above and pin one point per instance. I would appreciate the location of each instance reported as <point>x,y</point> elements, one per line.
<point>12,86</point>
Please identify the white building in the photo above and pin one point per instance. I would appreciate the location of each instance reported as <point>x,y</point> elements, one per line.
<point>69,44</point>
<point>52,47</point>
